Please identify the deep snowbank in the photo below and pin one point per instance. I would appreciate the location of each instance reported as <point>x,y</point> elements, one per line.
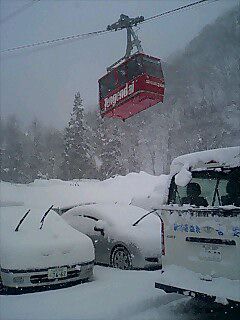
<point>44,193</point>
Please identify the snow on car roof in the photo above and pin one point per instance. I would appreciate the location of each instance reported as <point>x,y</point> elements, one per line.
<point>224,156</point>
<point>55,244</point>
<point>111,212</point>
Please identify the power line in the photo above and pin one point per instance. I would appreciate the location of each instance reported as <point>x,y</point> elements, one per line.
<point>96,33</point>
<point>19,10</point>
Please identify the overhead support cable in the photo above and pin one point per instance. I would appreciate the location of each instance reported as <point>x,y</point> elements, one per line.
<point>18,11</point>
<point>177,9</point>
<point>100,32</point>
<point>62,39</point>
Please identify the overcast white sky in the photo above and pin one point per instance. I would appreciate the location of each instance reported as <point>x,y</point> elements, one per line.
<point>42,82</point>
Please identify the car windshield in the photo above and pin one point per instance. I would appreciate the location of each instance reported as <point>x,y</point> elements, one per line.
<point>209,188</point>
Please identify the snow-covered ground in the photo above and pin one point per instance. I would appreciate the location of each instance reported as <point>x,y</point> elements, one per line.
<point>113,294</point>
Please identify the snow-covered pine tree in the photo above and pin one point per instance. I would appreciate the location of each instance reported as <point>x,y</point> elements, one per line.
<point>12,162</point>
<point>130,146</point>
<point>36,161</point>
<point>77,160</point>
<point>94,121</point>
<point>53,150</point>
<point>110,156</point>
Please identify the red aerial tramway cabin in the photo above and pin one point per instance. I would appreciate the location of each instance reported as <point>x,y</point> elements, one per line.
<point>133,85</point>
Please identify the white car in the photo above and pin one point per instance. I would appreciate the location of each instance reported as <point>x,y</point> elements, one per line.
<point>124,236</point>
<point>40,250</point>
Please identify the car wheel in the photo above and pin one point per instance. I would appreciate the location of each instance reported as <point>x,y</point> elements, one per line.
<point>121,258</point>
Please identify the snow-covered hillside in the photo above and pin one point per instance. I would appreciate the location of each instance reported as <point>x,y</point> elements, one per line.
<point>201,107</point>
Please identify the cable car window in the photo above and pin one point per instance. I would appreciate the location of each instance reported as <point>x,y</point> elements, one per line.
<point>122,75</point>
<point>107,84</point>
<point>153,67</point>
<point>103,88</point>
<point>134,67</point>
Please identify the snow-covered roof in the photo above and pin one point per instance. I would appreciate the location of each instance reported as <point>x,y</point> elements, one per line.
<point>203,159</point>
<point>31,247</point>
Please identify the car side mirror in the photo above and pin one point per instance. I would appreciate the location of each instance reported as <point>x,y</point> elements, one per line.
<point>99,229</point>
<point>99,226</point>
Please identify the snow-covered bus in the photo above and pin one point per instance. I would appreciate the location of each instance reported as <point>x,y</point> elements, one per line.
<point>201,226</point>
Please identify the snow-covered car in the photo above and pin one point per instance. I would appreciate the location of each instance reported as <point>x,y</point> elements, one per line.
<point>201,226</point>
<point>63,209</point>
<point>124,236</point>
<point>39,250</point>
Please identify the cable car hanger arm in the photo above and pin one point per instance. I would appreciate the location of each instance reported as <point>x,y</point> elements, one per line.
<point>132,39</point>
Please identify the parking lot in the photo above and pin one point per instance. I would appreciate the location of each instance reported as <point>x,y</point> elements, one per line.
<point>113,294</point>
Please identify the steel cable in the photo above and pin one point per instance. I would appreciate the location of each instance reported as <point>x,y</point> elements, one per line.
<point>100,32</point>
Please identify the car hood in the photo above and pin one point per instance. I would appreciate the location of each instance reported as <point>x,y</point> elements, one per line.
<point>55,244</point>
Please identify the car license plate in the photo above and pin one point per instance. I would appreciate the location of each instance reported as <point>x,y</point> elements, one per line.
<point>57,273</point>
<point>211,253</point>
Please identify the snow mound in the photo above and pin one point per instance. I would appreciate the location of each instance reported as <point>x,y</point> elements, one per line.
<point>46,182</point>
<point>43,193</point>
<point>156,198</point>
<point>9,203</point>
